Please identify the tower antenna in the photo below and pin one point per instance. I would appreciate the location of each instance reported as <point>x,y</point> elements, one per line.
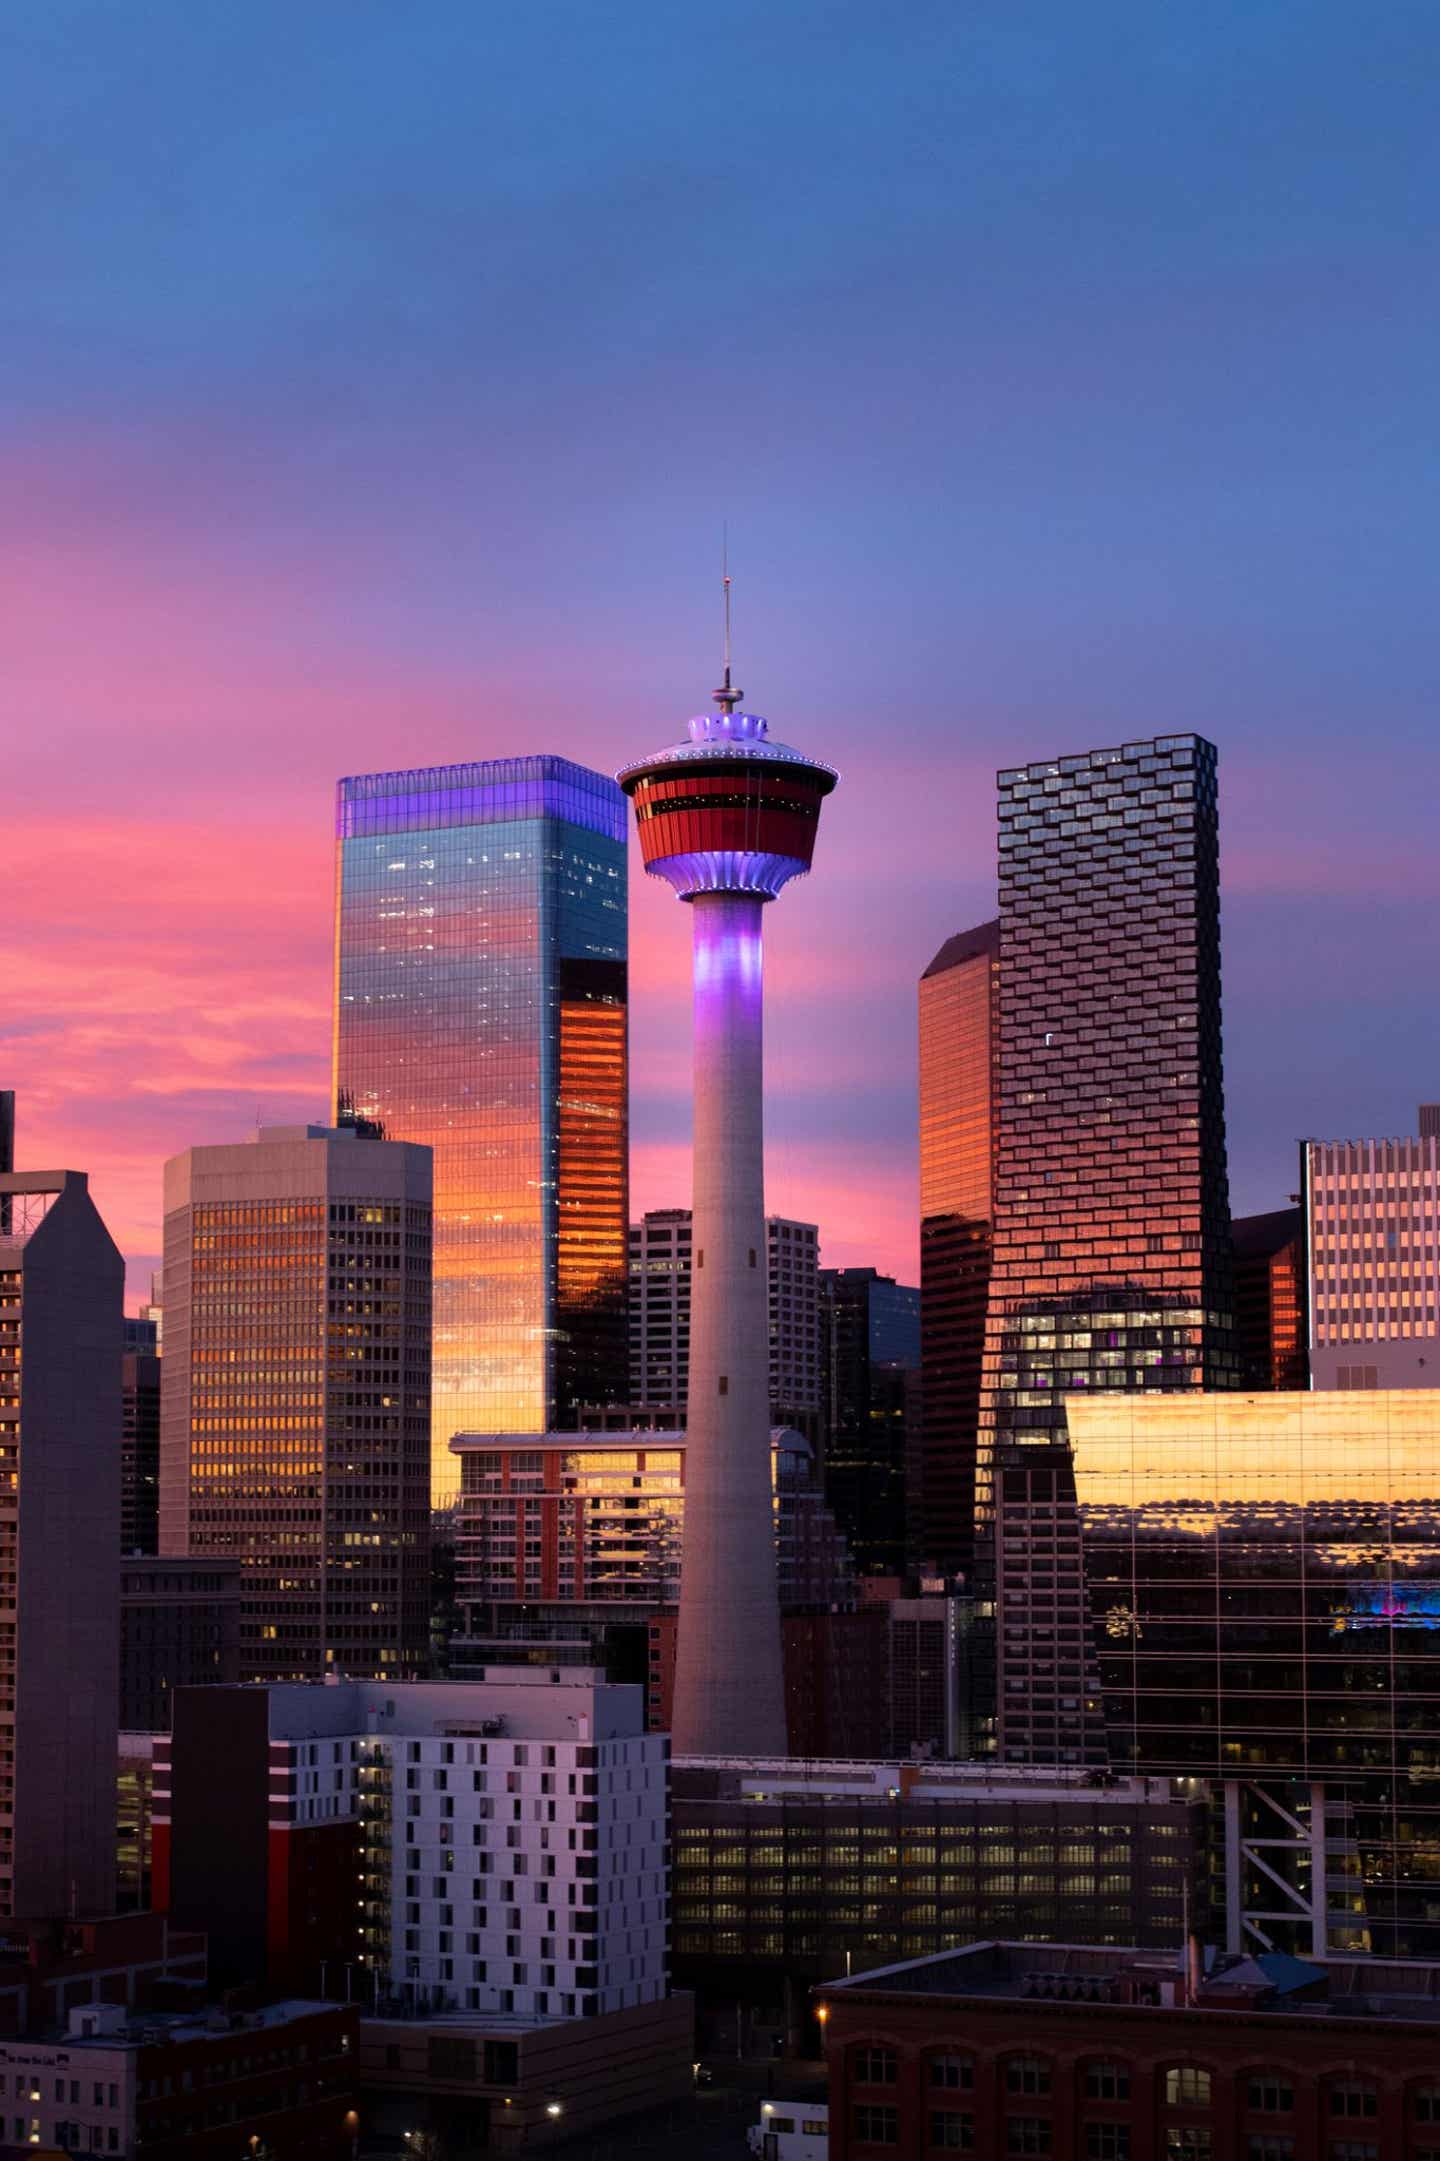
<point>727,697</point>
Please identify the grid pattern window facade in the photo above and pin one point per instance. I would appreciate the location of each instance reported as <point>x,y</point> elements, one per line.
<point>481,1009</point>
<point>1265,1578</point>
<point>870,1355</point>
<point>659,1314</point>
<point>296,1397</point>
<point>1111,1261</point>
<point>1373,1222</point>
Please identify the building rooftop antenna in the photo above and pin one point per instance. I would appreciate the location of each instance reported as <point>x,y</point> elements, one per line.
<point>727,697</point>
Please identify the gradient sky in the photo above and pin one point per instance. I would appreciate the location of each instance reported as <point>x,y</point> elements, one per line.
<point>374,380</point>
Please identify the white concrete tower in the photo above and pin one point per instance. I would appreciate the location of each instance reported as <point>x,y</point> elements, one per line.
<point>728,817</point>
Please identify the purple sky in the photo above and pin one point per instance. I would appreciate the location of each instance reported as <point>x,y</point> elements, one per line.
<point>377,379</point>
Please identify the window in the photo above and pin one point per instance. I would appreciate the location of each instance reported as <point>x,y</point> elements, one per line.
<point>1027,2135</point>
<point>876,2126</point>
<point>951,2131</point>
<point>873,2065</point>
<point>1353,2097</point>
<point>1270,2146</point>
<point>1107,2142</point>
<point>1354,2149</point>
<point>1187,2142</point>
<point>1271,2093</point>
<point>1027,2074</point>
<point>956,2072</point>
<point>1107,2081</point>
<point>1187,2085</point>
<point>1425,2101</point>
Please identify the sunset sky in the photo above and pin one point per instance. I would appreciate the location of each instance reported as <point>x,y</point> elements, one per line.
<point>375,380</point>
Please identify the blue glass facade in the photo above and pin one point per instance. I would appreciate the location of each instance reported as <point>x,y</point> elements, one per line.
<point>481,1008</point>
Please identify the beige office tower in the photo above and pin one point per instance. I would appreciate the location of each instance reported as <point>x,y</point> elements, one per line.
<point>62,1300</point>
<point>295,1394</point>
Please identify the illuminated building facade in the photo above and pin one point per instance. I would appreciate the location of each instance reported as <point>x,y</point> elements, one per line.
<point>1111,1265</point>
<point>295,1394</point>
<point>959,1037</point>
<point>1264,1575</point>
<point>481,1009</point>
<point>1271,1299</point>
<point>727,818</point>
<point>1372,1227</point>
<point>61,1305</point>
<point>659,1310</point>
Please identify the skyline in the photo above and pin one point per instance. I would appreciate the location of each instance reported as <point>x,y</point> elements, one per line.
<point>385,408</point>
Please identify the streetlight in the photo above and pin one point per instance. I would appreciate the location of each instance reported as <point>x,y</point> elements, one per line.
<point>554,2108</point>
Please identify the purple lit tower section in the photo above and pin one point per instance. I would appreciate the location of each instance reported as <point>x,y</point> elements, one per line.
<point>727,818</point>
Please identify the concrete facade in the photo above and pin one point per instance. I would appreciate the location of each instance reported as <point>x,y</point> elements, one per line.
<point>61,1309</point>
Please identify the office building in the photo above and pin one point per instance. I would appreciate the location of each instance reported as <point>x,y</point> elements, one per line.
<point>1111,1265</point>
<point>1271,1326</point>
<point>659,1315</point>
<point>1264,1576</point>
<point>495,1847</point>
<point>1372,1227</point>
<point>727,818</point>
<point>188,2085</point>
<point>179,1628</point>
<point>61,1305</point>
<point>7,1151</point>
<point>481,1009</point>
<point>135,1961</point>
<point>1079,2053</point>
<point>959,1037</point>
<point>139,1440</point>
<point>295,1394</point>
<point>568,1545</point>
<point>787,1872</point>
<point>870,1360</point>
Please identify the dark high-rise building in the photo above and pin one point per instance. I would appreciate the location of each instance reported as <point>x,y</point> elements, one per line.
<point>139,1448</point>
<point>959,996</point>
<point>295,1394</point>
<point>179,1628</point>
<point>7,1150</point>
<point>481,1008</point>
<point>1264,1576</point>
<point>61,1304</point>
<point>1271,1332</point>
<point>870,1350</point>
<point>1111,1264</point>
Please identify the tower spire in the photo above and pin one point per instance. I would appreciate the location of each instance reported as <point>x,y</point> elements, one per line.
<point>727,697</point>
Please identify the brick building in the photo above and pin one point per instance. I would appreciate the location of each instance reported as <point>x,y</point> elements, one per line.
<point>1120,2055</point>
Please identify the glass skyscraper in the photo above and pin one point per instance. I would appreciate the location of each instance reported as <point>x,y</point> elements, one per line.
<point>1111,1265</point>
<point>1264,1575</point>
<point>481,1008</point>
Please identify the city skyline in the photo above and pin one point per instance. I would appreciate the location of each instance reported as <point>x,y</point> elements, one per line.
<point>289,499</point>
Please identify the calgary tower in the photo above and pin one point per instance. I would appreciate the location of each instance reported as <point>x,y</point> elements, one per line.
<point>728,817</point>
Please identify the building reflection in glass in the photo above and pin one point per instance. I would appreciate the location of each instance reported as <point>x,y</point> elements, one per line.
<point>1264,1579</point>
<point>481,1008</point>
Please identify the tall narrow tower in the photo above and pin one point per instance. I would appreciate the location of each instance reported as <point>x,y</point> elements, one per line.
<point>728,817</point>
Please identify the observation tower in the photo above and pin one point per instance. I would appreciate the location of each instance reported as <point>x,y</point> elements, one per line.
<point>728,817</point>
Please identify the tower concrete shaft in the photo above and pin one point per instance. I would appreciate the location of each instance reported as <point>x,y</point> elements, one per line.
<point>729,1685</point>
<point>727,818</point>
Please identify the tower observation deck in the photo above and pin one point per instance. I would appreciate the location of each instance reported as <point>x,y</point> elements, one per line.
<point>727,818</point>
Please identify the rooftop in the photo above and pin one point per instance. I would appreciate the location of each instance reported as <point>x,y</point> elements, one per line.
<point>1093,1978</point>
<point>770,1778</point>
<point>538,1703</point>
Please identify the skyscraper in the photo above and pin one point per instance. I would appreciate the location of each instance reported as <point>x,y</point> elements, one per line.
<point>139,1447</point>
<point>1372,1236</point>
<point>727,818</point>
<point>480,988</point>
<point>870,1350</point>
<point>659,1308</point>
<point>1111,1261</point>
<point>959,1001</point>
<point>295,1394</point>
<point>61,1305</point>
